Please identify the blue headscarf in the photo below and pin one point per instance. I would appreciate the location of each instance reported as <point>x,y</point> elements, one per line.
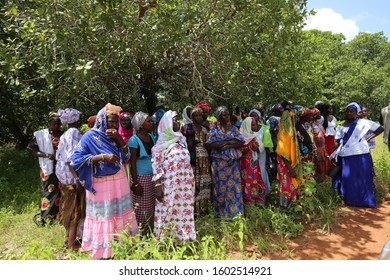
<point>95,142</point>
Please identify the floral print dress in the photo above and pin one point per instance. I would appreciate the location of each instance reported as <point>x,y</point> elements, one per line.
<point>174,216</point>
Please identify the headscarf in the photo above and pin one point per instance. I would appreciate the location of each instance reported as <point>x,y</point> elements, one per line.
<point>276,107</point>
<point>91,121</point>
<point>196,110</point>
<point>53,116</point>
<point>113,109</point>
<point>204,106</point>
<point>354,106</point>
<point>101,117</point>
<point>249,135</point>
<point>95,142</point>
<point>138,120</point>
<point>167,138</point>
<point>255,111</point>
<point>126,133</point>
<point>69,115</point>
<point>219,111</point>
<point>186,118</point>
<point>157,116</point>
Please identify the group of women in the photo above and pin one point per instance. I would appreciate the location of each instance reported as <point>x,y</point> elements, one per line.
<point>146,174</point>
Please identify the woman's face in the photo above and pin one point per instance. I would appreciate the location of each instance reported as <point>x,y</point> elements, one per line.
<point>175,123</point>
<point>112,121</point>
<point>350,114</point>
<point>197,117</point>
<point>206,114</point>
<point>224,117</point>
<point>126,121</point>
<point>255,116</point>
<point>148,124</point>
<point>330,110</point>
<point>254,126</point>
<point>55,125</point>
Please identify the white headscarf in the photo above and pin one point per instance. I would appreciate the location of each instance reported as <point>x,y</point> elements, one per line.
<point>186,118</point>
<point>249,135</point>
<point>354,105</point>
<point>166,136</point>
<point>138,120</point>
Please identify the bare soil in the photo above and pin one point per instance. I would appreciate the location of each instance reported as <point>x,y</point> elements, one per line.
<point>360,234</point>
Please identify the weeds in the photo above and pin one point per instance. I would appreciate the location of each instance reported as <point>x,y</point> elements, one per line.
<point>265,229</point>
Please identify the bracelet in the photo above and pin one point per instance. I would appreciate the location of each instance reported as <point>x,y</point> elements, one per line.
<point>158,185</point>
<point>102,157</point>
<point>77,179</point>
<point>124,147</point>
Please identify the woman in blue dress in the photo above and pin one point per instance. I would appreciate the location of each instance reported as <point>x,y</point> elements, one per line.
<point>355,182</point>
<point>225,142</point>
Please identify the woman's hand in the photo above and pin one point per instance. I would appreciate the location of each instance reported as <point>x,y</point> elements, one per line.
<point>159,193</point>
<point>111,158</point>
<point>137,189</point>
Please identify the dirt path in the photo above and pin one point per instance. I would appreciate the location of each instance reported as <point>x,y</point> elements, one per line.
<point>359,235</point>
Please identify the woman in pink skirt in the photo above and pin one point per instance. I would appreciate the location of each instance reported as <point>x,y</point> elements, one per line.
<point>99,162</point>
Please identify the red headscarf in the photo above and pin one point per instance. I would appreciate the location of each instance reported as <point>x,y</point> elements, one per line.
<point>203,105</point>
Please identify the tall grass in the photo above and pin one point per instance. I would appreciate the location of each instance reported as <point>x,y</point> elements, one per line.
<point>261,231</point>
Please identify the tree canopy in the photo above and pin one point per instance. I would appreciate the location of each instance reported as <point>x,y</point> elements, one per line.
<point>83,54</point>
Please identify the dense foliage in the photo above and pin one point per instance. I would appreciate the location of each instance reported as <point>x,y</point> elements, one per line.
<point>62,53</point>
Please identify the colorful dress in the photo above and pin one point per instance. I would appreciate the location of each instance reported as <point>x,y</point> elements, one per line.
<point>201,166</point>
<point>226,174</point>
<point>174,216</point>
<point>109,209</point>
<point>252,182</point>
<point>73,198</point>
<point>47,142</point>
<point>307,150</point>
<point>287,148</point>
<point>321,160</point>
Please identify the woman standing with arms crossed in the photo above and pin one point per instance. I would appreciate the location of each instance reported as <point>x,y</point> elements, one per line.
<point>225,142</point>
<point>144,192</point>
<point>99,161</point>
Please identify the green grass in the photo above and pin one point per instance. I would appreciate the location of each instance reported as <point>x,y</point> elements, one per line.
<point>264,229</point>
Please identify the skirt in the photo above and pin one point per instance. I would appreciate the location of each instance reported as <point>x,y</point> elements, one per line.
<point>109,212</point>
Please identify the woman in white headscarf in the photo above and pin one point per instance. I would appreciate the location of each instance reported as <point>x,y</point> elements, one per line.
<point>266,139</point>
<point>144,192</point>
<point>72,192</point>
<point>174,178</point>
<point>252,182</point>
<point>355,181</point>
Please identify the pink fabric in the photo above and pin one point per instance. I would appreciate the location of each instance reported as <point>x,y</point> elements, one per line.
<point>126,133</point>
<point>109,211</point>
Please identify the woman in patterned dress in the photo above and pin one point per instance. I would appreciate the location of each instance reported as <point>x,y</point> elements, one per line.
<point>225,142</point>
<point>72,193</point>
<point>288,158</point>
<point>252,182</point>
<point>44,146</point>
<point>99,161</point>
<point>174,180</point>
<point>196,135</point>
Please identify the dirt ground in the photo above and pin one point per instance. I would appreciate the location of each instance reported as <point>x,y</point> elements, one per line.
<point>360,234</point>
